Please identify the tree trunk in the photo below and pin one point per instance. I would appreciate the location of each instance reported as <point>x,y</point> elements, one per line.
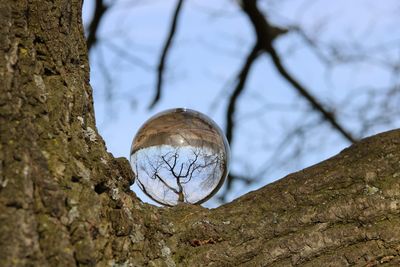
<point>64,201</point>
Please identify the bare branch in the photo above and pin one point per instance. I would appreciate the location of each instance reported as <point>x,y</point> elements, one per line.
<point>192,162</point>
<point>166,49</point>
<point>99,12</point>
<point>265,37</point>
<point>171,168</point>
<point>329,116</point>
<point>126,55</point>
<point>312,44</point>
<point>241,81</point>
<point>166,184</point>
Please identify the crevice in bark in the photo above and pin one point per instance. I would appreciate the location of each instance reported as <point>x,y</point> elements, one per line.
<point>101,188</point>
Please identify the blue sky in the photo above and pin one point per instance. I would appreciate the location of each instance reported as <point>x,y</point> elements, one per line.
<point>212,40</point>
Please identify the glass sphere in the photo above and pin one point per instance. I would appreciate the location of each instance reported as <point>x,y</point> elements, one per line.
<point>180,156</point>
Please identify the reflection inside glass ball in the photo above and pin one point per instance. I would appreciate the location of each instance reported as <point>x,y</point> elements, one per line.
<point>180,156</point>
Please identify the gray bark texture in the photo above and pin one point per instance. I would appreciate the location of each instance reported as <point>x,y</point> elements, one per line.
<point>65,201</point>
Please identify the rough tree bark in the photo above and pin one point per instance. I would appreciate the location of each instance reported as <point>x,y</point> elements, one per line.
<point>65,201</point>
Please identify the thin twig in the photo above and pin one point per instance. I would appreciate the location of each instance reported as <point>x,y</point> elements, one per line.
<point>124,54</point>
<point>240,85</point>
<point>166,49</point>
<point>99,11</point>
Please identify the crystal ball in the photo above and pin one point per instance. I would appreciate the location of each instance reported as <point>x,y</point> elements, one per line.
<point>180,156</point>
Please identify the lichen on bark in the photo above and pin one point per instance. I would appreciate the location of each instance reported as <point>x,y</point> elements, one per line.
<point>65,201</point>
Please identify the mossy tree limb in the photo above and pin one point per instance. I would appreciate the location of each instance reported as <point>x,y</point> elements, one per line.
<point>64,201</point>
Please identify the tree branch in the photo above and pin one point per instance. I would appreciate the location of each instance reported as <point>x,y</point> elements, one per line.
<point>166,49</point>
<point>99,11</point>
<point>265,37</point>
<point>230,112</point>
<point>241,81</point>
<point>166,184</point>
